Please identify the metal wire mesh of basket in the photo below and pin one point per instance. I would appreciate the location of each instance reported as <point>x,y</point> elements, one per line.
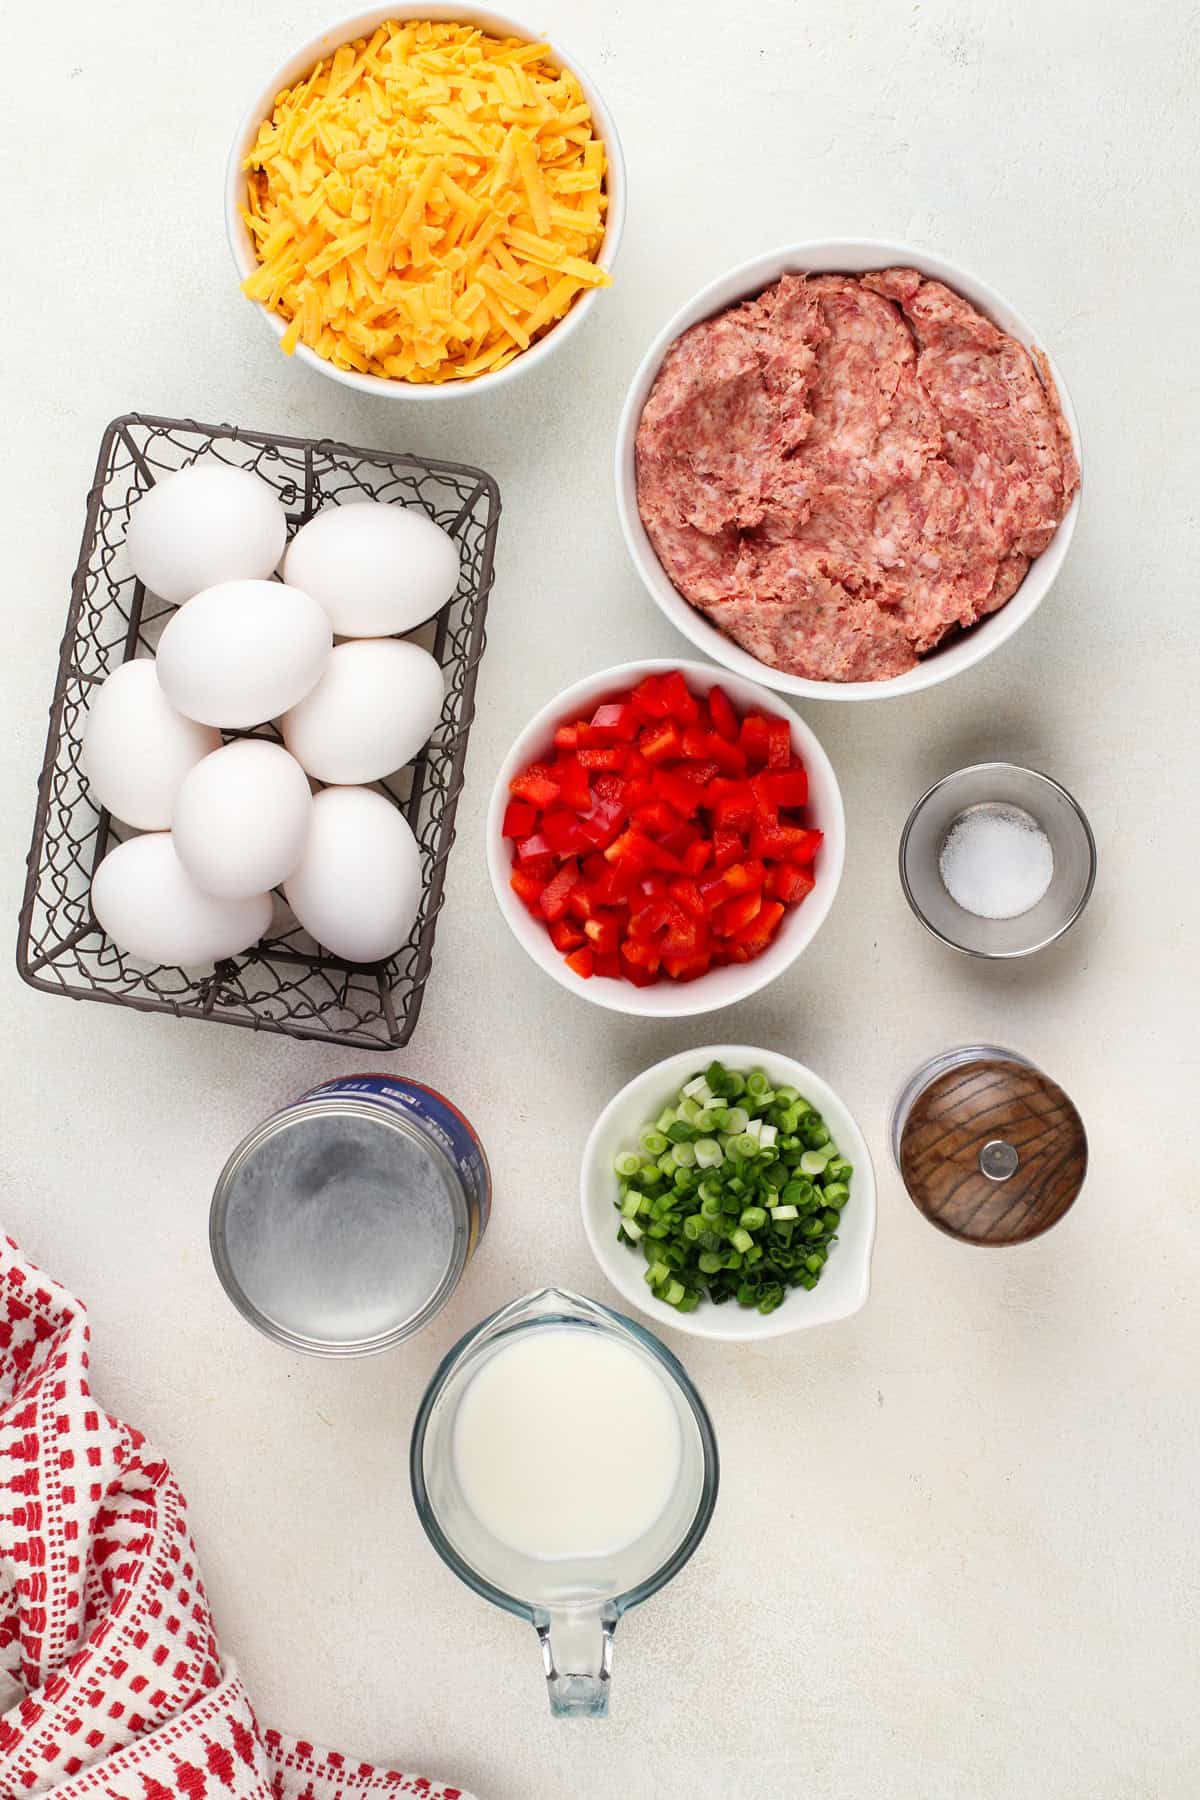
<point>285,983</point>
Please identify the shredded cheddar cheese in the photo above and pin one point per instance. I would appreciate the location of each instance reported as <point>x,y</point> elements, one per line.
<point>426,203</point>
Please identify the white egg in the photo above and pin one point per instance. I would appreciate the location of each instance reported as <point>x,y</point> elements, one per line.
<point>372,710</point>
<point>241,818</point>
<point>357,887</point>
<point>137,749</point>
<point>204,524</point>
<point>243,652</point>
<point>376,569</point>
<point>146,901</point>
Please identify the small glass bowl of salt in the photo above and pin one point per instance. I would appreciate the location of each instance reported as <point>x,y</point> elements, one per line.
<point>997,861</point>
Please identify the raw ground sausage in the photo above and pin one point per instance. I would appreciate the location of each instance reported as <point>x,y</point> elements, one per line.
<point>847,468</point>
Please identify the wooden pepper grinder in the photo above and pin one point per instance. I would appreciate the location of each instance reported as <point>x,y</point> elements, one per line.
<point>990,1149</point>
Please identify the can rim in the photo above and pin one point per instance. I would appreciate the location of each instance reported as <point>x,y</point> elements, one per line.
<point>300,1113</point>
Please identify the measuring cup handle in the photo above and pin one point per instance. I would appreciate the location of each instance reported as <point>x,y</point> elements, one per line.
<point>577,1651</point>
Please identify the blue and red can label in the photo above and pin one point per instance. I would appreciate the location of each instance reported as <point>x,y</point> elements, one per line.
<point>435,1116</point>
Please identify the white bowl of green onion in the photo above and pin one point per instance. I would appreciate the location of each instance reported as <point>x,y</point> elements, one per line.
<point>729,1192</point>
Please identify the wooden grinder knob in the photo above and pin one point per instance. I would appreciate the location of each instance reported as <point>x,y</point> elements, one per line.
<point>993,1152</point>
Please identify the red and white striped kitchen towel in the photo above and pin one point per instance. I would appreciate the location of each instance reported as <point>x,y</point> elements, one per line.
<point>112,1684</point>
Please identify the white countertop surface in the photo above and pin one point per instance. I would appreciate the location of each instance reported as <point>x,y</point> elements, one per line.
<point>954,1556</point>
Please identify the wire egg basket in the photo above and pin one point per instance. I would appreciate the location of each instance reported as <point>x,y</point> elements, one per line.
<point>286,983</point>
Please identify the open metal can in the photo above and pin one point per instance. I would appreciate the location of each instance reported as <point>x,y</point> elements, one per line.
<point>344,1222</point>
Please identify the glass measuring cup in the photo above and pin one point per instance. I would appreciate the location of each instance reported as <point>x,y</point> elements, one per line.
<point>574,1604</point>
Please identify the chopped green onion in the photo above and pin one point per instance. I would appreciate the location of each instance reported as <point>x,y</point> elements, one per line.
<point>735,1192</point>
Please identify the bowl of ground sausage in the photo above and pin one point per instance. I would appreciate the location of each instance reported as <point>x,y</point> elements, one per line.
<point>848,470</point>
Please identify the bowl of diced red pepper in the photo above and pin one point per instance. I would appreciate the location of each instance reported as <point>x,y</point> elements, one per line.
<point>665,838</point>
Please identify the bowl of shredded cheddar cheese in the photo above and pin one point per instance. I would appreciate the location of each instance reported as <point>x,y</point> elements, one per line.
<point>425,201</point>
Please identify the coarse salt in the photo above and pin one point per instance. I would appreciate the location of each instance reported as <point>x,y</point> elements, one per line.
<point>996,862</point>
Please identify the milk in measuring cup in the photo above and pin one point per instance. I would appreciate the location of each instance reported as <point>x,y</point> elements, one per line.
<point>567,1444</point>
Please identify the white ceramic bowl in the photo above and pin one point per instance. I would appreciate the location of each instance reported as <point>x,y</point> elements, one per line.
<point>846,1278</point>
<point>722,987</point>
<point>361,24</point>
<point>851,256</point>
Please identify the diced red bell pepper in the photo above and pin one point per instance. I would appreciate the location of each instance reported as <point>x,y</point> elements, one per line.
<point>684,937</point>
<point>614,723</point>
<point>787,787</point>
<point>574,788</point>
<point>535,784</point>
<point>685,796</point>
<point>785,843</point>
<point>737,913</point>
<point>581,902</point>
<point>757,933</point>
<point>633,846</point>
<point>657,840</point>
<point>723,716</point>
<point>779,743</point>
<point>686,894</point>
<point>557,891</point>
<point>533,848</point>
<point>733,806</point>
<point>660,742</point>
<point>686,968</point>
<point>561,830</point>
<point>729,758</point>
<point>601,823</point>
<point>727,848</point>
<point>714,891</point>
<point>657,817</point>
<point>615,885</point>
<point>640,955</point>
<point>681,702</point>
<point>766,807</point>
<point>649,699</point>
<point>610,756</point>
<point>519,819</point>
<point>787,883</point>
<point>526,887</point>
<point>603,934</point>
<point>741,877</point>
<point>651,917</point>
<point>681,838</point>
<point>754,739</point>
